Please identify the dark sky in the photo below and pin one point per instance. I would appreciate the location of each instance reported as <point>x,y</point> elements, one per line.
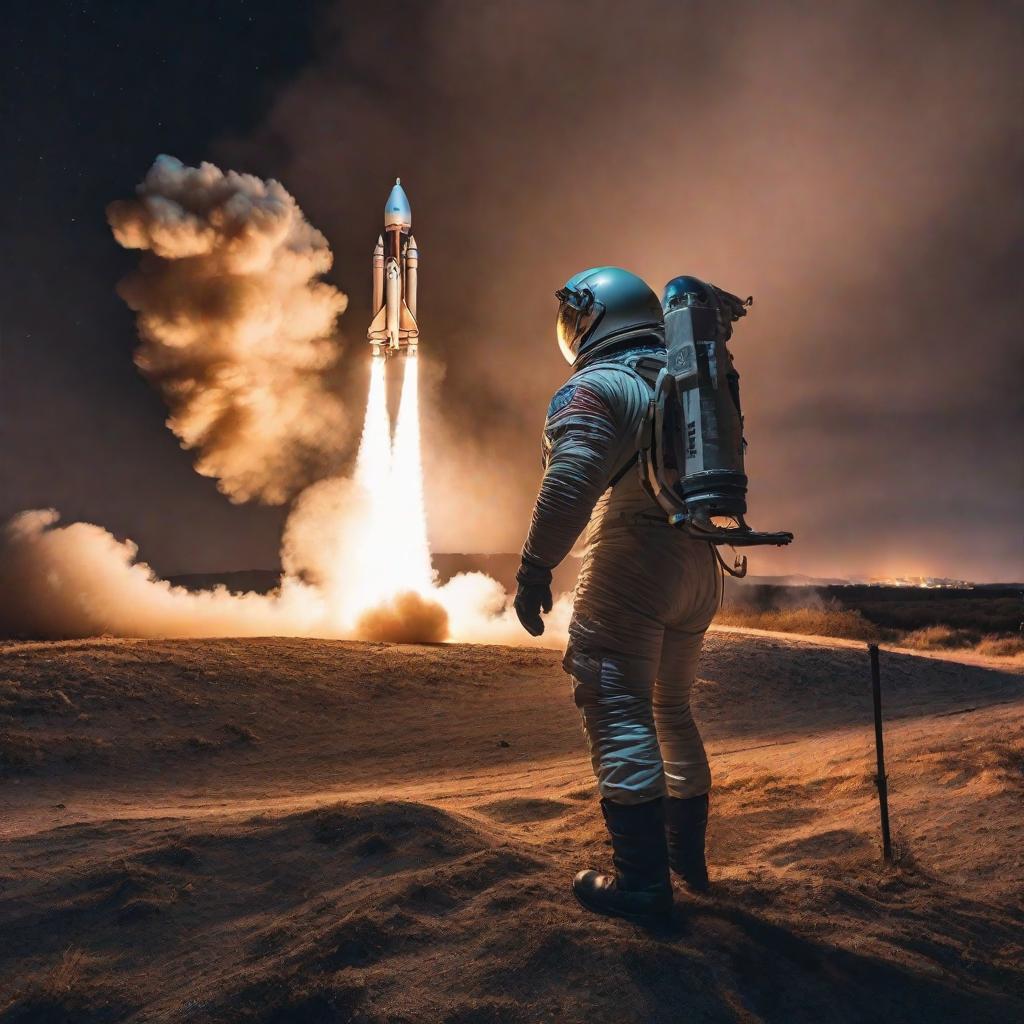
<point>93,92</point>
<point>856,167</point>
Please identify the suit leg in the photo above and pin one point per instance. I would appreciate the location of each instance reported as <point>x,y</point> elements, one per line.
<point>687,773</point>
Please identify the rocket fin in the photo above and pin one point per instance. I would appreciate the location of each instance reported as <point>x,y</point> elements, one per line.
<point>379,324</point>
<point>408,321</point>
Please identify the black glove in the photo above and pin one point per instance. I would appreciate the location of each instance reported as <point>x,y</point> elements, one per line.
<point>533,596</point>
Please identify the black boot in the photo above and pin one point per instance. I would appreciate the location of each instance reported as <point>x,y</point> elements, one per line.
<point>686,823</point>
<point>641,888</point>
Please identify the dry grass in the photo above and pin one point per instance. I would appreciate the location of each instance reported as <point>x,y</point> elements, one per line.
<point>1001,646</point>
<point>831,619</point>
<point>979,615</point>
<point>903,858</point>
<point>938,638</point>
<point>222,888</point>
<point>992,645</point>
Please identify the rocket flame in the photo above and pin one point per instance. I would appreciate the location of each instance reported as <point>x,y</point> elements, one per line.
<point>370,566</point>
<point>355,553</point>
<point>394,555</point>
<point>413,553</point>
<point>373,463</point>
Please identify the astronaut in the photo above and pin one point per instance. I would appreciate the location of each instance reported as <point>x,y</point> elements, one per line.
<point>645,596</point>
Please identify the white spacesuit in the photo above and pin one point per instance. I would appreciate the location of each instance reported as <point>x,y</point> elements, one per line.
<point>645,596</point>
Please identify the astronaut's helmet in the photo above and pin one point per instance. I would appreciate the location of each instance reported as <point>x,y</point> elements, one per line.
<point>603,308</point>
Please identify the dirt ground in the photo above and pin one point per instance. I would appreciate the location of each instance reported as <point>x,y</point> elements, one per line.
<point>313,831</point>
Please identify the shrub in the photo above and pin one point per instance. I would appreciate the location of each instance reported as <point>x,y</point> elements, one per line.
<point>766,608</point>
<point>932,638</point>
<point>1001,646</point>
<point>831,619</point>
<point>916,610</point>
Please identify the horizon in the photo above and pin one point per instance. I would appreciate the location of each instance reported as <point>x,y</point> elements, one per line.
<point>853,579</point>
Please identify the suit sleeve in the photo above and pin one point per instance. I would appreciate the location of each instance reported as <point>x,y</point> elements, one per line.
<point>582,438</point>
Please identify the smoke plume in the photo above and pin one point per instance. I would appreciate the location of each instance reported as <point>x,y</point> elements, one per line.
<point>405,618</point>
<point>79,580</point>
<point>235,326</point>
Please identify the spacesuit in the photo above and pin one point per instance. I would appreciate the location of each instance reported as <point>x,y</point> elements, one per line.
<point>645,596</point>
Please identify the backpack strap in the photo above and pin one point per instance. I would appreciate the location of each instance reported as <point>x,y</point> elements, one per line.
<point>645,368</point>
<point>622,472</point>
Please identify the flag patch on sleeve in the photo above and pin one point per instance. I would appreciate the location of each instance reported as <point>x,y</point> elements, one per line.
<point>576,401</point>
<point>563,396</point>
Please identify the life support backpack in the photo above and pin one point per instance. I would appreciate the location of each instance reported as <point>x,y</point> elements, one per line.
<point>690,445</point>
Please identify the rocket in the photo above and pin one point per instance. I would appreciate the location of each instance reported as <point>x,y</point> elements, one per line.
<point>395,267</point>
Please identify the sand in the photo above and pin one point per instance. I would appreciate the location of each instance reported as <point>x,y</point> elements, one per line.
<point>314,831</point>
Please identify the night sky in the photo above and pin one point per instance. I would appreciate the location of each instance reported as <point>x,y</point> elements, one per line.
<point>855,167</point>
<point>94,91</point>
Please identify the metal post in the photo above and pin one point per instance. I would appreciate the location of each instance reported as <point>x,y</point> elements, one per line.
<point>880,779</point>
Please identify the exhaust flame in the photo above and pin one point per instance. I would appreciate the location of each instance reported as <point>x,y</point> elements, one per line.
<point>387,573</point>
<point>413,553</point>
<point>370,569</point>
<point>373,463</point>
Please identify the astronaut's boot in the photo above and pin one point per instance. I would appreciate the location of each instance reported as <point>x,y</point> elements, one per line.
<point>640,889</point>
<point>686,823</point>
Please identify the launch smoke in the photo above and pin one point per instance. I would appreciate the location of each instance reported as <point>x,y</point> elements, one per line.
<point>236,333</point>
<point>235,326</point>
<point>78,580</point>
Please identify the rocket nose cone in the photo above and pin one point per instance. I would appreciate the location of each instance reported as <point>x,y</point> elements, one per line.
<point>397,209</point>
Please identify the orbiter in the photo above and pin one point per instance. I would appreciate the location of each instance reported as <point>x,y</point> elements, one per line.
<point>395,264</point>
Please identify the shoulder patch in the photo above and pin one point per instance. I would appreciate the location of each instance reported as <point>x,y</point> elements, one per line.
<point>563,396</point>
<point>577,402</point>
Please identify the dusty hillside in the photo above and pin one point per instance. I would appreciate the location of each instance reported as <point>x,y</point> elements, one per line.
<point>290,830</point>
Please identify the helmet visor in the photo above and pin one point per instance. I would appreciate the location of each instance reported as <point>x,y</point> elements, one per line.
<point>577,315</point>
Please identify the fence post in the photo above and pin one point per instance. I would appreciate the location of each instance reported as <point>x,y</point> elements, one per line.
<point>880,779</point>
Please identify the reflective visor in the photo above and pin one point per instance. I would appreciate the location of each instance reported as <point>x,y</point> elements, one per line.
<point>577,314</point>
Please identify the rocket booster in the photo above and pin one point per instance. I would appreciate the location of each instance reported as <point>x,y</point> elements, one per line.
<point>395,267</point>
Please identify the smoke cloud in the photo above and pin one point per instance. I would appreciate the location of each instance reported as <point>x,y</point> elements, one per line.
<point>236,329</point>
<point>79,580</point>
<point>405,618</point>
